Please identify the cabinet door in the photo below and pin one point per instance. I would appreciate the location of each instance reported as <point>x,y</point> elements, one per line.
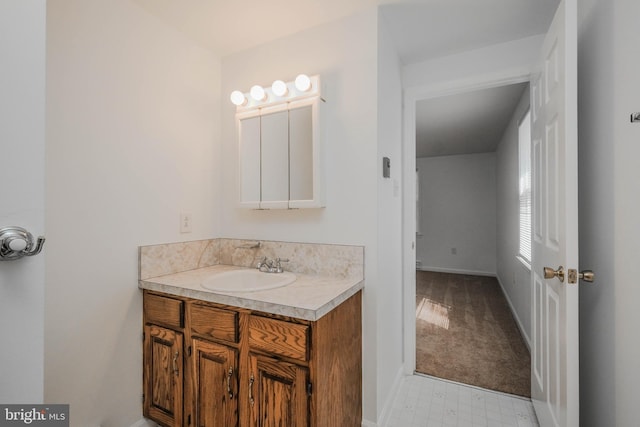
<point>249,164</point>
<point>274,159</point>
<point>278,393</point>
<point>215,385</point>
<point>301,155</point>
<point>163,363</point>
<point>306,169</point>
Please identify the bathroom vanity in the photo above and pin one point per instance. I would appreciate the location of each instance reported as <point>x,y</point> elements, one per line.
<point>286,356</point>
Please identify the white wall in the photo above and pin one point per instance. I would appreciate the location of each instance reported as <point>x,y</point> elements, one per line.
<point>609,226</point>
<point>458,212</point>
<point>344,54</point>
<point>513,276</point>
<point>491,63</point>
<point>389,294</point>
<point>22,143</point>
<point>132,139</point>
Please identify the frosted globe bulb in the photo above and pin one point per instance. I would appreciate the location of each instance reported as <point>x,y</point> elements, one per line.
<point>237,98</point>
<point>279,88</point>
<point>303,83</point>
<point>257,93</point>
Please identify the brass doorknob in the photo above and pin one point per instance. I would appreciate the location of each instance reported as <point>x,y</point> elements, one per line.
<point>587,275</point>
<point>550,273</point>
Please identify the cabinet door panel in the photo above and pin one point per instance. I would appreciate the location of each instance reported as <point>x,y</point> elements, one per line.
<point>163,362</point>
<point>278,393</point>
<point>274,152</point>
<point>216,384</point>
<point>249,141</point>
<point>301,153</point>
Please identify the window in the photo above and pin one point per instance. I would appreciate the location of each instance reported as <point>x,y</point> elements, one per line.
<point>524,155</point>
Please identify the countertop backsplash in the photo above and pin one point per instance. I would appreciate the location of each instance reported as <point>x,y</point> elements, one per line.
<point>340,261</point>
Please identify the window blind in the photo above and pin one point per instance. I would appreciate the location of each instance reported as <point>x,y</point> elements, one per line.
<point>524,155</point>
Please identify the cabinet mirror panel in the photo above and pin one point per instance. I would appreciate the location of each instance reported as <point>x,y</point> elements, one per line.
<point>280,156</point>
<point>249,141</point>
<point>301,153</point>
<point>274,134</point>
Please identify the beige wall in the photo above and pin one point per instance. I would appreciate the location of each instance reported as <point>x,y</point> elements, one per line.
<point>132,137</point>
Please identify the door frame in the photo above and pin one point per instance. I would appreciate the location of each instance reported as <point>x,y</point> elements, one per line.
<point>411,96</point>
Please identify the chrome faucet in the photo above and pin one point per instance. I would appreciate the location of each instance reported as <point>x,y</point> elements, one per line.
<point>267,265</point>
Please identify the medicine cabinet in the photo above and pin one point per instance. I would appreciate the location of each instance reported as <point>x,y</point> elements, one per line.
<point>280,156</point>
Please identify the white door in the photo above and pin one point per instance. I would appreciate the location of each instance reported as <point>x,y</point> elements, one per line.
<point>554,352</point>
<point>22,136</point>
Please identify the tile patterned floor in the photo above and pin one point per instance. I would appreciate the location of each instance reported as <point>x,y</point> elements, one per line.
<point>424,401</point>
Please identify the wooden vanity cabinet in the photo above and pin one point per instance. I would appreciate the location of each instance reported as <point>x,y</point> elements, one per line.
<point>244,368</point>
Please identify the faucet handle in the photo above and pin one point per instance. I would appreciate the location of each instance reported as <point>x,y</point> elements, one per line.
<point>278,267</point>
<point>262,262</point>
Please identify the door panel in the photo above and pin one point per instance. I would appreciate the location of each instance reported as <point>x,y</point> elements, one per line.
<point>22,200</point>
<point>554,368</point>
<point>163,375</point>
<point>278,393</point>
<point>215,401</point>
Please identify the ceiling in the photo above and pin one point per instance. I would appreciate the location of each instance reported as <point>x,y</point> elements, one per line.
<point>471,122</point>
<point>229,26</point>
<point>467,123</point>
<point>462,25</point>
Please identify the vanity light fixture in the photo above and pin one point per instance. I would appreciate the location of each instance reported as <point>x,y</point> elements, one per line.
<point>279,88</point>
<point>257,92</point>
<point>238,98</point>
<point>303,83</point>
<point>279,92</point>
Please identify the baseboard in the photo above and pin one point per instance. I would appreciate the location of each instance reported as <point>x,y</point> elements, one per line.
<point>524,334</point>
<point>387,408</point>
<point>457,271</point>
<point>144,423</point>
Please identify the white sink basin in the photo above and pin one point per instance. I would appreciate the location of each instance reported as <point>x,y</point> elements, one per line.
<point>247,281</point>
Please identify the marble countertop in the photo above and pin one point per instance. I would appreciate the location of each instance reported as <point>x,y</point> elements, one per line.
<point>310,297</point>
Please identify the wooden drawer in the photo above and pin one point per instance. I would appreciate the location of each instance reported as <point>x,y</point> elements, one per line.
<point>279,337</point>
<point>163,311</point>
<point>214,323</point>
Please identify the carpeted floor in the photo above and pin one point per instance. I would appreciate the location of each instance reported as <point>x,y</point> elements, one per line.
<point>466,333</point>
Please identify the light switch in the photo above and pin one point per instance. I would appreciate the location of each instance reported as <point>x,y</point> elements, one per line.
<point>386,167</point>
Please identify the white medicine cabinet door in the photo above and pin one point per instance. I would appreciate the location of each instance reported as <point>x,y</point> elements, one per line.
<point>249,165</point>
<point>300,154</point>
<point>280,158</point>
<point>305,161</point>
<point>274,155</point>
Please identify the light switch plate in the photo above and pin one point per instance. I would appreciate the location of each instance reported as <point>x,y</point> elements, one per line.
<point>386,167</point>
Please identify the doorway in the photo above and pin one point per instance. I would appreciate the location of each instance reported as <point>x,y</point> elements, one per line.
<point>456,245</point>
